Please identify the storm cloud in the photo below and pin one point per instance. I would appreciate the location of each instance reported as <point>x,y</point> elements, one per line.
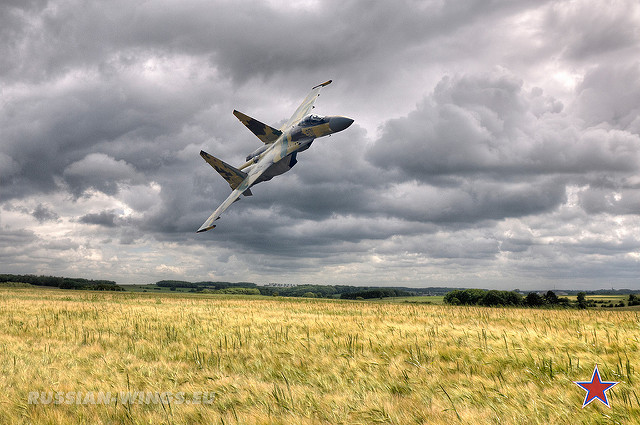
<point>495,144</point>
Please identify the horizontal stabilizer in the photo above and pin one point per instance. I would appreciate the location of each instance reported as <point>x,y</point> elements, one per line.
<point>264,132</point>
<point>231,174</point>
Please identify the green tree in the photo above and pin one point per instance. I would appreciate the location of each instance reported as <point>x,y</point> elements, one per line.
<point>453,301</point>
<point>493,298</point>
<point>533,299</point>
<point>582,300</point>
<point>551,298</point>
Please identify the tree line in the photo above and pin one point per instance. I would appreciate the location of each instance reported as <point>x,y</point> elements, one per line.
<point>375,293</point>
<point>62,282</point>
<point>204,285</point>
<point>309,291</point>
<point>495,298</point>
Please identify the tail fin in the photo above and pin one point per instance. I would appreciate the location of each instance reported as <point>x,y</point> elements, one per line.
<point>231,174</point>
<point>265,133</point>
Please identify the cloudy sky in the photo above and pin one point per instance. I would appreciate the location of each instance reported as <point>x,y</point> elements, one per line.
<point>496,143</point>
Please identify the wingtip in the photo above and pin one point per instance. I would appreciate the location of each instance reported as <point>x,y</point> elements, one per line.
<point>204,229</point>
<point>326,83</point>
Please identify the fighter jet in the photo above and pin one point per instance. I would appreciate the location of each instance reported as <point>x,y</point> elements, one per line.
<point>278,154</point>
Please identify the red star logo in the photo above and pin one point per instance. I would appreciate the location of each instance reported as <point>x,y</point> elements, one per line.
<point>596,389</point>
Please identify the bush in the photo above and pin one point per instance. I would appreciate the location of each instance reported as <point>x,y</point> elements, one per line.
<point>533,299</point>
<point>240,291</point>
<point>371,293</point>
<point>500,298</point>
<point>483,297</point>
<point>582,300</point>
<point>551,298</point>
<point>452,301</point>
<point>465,296</point>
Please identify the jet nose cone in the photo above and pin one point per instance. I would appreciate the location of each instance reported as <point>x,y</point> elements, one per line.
<point>339,123</point>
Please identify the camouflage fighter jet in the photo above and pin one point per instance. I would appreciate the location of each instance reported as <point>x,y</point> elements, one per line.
<point>278,154</point>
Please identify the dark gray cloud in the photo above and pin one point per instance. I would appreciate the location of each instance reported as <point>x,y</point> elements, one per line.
<point>100,172</point>
<point>104,218</point>
<point>494,141</point>
<point>42,213</point>
<point>16,250</point>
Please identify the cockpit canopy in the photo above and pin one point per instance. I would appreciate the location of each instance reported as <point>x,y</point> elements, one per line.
<point>310,120</point>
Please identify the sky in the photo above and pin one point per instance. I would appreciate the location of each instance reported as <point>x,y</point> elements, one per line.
<point>496,144</point>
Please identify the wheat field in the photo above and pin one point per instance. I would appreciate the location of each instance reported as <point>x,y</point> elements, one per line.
<point>308,361</point>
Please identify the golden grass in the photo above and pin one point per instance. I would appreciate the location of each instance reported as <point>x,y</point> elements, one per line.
<point>309,361</point>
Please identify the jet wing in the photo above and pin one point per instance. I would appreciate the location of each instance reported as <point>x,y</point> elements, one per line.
<point>305,106</point>
<point>208,225</point>
<point>253,175</point>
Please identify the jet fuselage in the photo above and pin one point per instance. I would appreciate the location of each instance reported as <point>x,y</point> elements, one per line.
<point>295,139</point>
